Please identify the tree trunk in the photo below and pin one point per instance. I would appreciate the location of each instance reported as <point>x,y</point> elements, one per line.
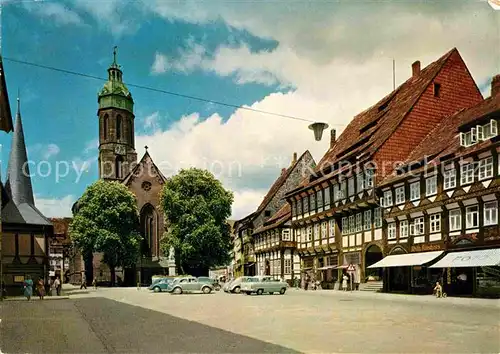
<point>89,267</point>
<point>113,275</point>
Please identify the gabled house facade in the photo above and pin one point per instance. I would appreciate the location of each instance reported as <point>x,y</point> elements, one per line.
<point>271,204</point>
<point>336,213</point>
<point>444,198</point>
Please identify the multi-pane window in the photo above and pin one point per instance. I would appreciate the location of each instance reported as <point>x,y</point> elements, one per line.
<point>306,205</point>
<point>400,195</point>
<point>327,197</point>
<point>455,220</point>
<point>487,131</point>
<point>361,181</point>
<point>345,225</point>
<point>369,178</point>
<point>472,216</point>
<point>359,222</point>
<point>415,191</point>
<point>387,198</point>
<point>323,229</point>
<point>450,179</point>
<point>378,217</point>
<point>352,186</point>
<point>486,168</point>
<point>431,186</point>
<point>299,207</point>
<point>331,223</point>
<point>319,196</point>
<point>352,223</point>
<point>391,231</point>
<point>294,208</point>
<point>316,231</point>
<point>309,233</point>
<point>297,236</point>
<point>403,228</point>
<point>490,213</point>
<point>435,222</point>
<point>467,173</point>
<point>336,192</point>
<point>286,235</point>
<point>288,266</point>
<point>343,189</point>
<point>312,198</point>
<point>417,226</point>
<point>368,219</point>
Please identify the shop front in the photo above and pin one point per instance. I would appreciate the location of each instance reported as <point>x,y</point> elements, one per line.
<point>326,273</point>
<point>409,272</point>
<point>471,272</point>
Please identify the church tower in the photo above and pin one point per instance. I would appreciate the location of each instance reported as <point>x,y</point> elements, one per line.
<point>117,156</point>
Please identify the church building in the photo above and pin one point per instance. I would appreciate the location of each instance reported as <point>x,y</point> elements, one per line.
<point>118,162</point>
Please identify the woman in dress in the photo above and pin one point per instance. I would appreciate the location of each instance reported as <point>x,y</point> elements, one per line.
<point>40,287</point>
<point>344,282</point>
<point>28,287</point>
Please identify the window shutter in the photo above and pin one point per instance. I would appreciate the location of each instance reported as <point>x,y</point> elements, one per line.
<point>494,129</point>
<point>462,139</point>
<point>480,135</point>
<point>473,135</point>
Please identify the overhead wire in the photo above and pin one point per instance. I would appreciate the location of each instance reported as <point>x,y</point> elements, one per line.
<point>143,87</point>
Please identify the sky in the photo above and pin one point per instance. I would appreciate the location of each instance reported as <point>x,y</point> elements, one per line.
<point>316,60</point>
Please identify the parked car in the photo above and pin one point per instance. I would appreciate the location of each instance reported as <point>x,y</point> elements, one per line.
<point>188,285</point>
<point>160,285</point>
<point>235,286</point>
<point>263,284</point>
<point>212,281</point>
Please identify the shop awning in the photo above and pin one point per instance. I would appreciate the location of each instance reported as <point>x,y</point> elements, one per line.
<point>476,258</point>
<point>344,266</point>
<point>407,260</point>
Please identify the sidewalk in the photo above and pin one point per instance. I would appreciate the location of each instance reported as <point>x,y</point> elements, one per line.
<point>404,297</point>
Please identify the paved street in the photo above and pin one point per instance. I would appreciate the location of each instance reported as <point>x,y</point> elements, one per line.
<point>312,322</point>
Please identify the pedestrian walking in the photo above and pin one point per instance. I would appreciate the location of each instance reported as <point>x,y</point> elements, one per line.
<point>28,287</point>
<point>57,286</point>
<point>94,284</point>
<point>438,289</point>
<point>344,282</point>
<point>84,281</point>
<point>52,287</point>
<point>40,288</point>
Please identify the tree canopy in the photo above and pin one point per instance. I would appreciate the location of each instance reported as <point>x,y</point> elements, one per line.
<point>106,220</point>
<point>196,207</point>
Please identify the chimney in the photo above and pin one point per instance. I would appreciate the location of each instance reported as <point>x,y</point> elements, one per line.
<point>333,135</point>
<point>415,67</point>
<point>294,159</point>
<point>495,86</point>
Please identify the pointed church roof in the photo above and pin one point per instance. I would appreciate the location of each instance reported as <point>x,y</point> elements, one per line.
<point>21,207</point>
<point>18,175</point>
<point>135,171</point>
<point>5,113</point>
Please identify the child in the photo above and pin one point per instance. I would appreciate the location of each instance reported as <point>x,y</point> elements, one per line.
<point>344,282</point>
<point>438,289</point>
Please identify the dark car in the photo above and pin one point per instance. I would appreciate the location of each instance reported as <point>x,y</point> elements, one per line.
<point>211,281</point>
<point>160,284</point>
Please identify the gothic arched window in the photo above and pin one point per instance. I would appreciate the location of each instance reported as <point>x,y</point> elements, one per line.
<point>119,167</point>
<point>105,126</point>
<point>148,219</point>
<point>119,127</point>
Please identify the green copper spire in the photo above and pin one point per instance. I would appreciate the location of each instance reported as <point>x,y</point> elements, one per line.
<point>115,94</point>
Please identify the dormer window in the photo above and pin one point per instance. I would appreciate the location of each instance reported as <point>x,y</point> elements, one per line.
<point>479,133</point>
<point>469,138</point>
<point>437,89</point>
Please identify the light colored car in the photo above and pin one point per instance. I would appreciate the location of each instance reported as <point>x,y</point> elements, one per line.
<point>189,285</point>
<point>263,284</point>
<point>235,286</point>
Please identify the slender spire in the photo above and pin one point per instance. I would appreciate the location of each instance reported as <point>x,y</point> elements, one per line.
<point>18,174</point>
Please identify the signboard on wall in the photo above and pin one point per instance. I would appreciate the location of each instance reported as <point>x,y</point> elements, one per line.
<point>426,248</point>
<point>18,278</point>
<point>351,268</point>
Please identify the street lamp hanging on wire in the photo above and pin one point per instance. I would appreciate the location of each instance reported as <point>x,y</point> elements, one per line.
<point>318,129</point>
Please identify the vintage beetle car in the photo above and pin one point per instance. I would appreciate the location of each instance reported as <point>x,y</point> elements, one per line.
<point>189,285</point>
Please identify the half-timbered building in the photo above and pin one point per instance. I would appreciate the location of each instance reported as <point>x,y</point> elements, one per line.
<point>272,203</point>
<point>444,198</point>
<point>336,212</point>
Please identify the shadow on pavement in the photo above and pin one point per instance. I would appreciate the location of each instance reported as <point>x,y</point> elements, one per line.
<point>97,325</point>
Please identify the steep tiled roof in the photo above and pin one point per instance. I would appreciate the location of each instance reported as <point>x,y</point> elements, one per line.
<point>278,183</point>
<point>278,219</point>
<point>5,113</point>
<point>371,128</point>
<point>443,142</point>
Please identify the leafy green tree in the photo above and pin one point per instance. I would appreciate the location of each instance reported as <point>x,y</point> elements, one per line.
<point>106,220</point>
<point>196,207</point>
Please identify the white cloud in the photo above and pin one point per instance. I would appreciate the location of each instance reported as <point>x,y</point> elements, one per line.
<point>46,151</point>
<point>59,13</point>
<point>51,150</point>
<point>152,122</point>
<point>245,202</point>
<point>55,207</point>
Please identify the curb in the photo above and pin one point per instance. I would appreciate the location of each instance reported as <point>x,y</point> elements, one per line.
<point>50,298</point>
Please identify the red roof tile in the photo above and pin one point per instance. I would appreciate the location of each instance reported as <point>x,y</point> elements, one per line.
<point>371,128</point>
<point>279,218</point>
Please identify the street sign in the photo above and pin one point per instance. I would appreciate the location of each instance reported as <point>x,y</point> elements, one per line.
<point>351,268</point>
